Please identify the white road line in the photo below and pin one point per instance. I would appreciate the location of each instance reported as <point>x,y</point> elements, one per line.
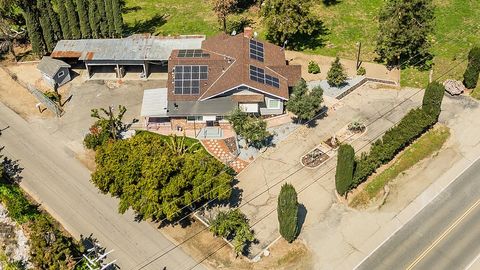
<point>473,262</point>
<point>426,204</point>
<point>443,235</point>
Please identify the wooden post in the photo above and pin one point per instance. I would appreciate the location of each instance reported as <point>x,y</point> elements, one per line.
<point>359,44</point>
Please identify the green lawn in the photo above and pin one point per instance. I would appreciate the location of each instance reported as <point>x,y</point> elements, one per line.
<point>476,92</point>
<point>349,21</point>
<point>424,147</point>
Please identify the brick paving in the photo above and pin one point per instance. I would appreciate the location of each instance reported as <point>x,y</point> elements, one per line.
<point>220,150</point>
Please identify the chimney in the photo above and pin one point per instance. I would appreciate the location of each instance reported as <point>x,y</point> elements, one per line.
<point>247,32</point>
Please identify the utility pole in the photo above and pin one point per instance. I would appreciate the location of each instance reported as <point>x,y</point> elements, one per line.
<point>359,45</point>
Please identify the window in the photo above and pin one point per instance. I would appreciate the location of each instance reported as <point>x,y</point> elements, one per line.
<point>195,118</point>
<point>61,74</point>
<point>273,104</point>
<point>187,79</point>
<point>256,50</point>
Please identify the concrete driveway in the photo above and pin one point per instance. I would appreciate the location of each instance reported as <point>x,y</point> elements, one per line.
<point>261,181</point>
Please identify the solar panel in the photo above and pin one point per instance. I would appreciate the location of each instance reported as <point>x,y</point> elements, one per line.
<point>258,75</point>
<point>256,50</point>
<point>187,79</point>
<point>192,54</point>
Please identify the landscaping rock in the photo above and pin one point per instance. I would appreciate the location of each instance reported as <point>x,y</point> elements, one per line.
<point>454,87</point>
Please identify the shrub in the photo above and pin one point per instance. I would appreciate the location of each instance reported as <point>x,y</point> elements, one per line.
<point>361,71</point>
<point>287,211</point>
<point>432,99</point>
<point>470,77</point>
<point>233,225</point>
<point>345,165</point>
<point>53,96</point>
<point>303,103</point>
<point>238,25</point>
<point>313,67</point>
<point>336,76</point>
<point>253,129</point>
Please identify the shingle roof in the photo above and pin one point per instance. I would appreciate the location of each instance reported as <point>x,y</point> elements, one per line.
<point>137,47</point>
<point>229,67</point>
<point>50,66</point>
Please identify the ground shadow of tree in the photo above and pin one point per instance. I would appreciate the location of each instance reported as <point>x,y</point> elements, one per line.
<point>93,249</point>
<point>147,26</point>
<point>330,2</point>
<point>316,39</point>
<point>301,216</point>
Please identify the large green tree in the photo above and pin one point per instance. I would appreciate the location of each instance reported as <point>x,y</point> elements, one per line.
<point>303,103</point>
<point>94,18</point>
<point>110,19</point>
<point>104,27</point>
<point>57,30</point>
<point>233,225</point>
<point>291,20</point>
<point>251,128</point>
<point>345,166</point>
<point>83,18</point>
<point>157,181</point>
<point>46,25</point>
<point>63,17</point>
<point>73,19</point>
<point>222,8</point>
<point>117,17</point>
<point>405,28</point>
<point>287,210</point>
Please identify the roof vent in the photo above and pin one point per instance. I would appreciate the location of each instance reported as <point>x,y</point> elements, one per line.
<point>234,33</point>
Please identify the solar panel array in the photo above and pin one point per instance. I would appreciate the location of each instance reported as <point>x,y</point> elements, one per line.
<point>192,54</point>
<point>187,79</point>
<point>258,75</point>
<point>256,50</point>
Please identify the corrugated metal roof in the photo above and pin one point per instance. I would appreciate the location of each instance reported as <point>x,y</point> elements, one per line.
<point>154,103</point>
<point>50,67</point>
<point>138,47</point>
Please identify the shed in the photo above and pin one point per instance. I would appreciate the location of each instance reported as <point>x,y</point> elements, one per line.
<point>54,72</point>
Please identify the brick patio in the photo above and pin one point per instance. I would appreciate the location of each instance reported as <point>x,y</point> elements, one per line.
<point>219,149</point>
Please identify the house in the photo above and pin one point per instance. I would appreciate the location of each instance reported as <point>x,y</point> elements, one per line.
<point>227,72</point>
<point>139,55</point>
<point>54,72</point>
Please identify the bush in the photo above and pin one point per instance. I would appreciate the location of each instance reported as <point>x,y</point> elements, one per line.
<point>414,124</point>
<point>53,96</point>
<point>432,99</point>
<point>253,129</point>
<point>287,211</point>
<point>361,71</point>
<point>238,25</point>
<point>303,103</point>
<point>336,76</point>
<point>345,165</point>
<point>233,226</point>
<point>313,67</point>
<point>470,77</point>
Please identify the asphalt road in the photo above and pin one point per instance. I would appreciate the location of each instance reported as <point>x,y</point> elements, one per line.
<point>61,185</point>
<point>444,235</point>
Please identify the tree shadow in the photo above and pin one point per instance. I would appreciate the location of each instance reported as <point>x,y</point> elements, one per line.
<point>316,39</point>
<point>11,168</point>
<point>331,2</point>
<point>244,5</point>
<point>126,10</point>
<point>147,26</point>
<point>94,250</point>
<point>301,216</point>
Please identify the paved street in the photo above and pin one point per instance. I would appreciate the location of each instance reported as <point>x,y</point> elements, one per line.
<point>444,235</point>
<point>61,185</point>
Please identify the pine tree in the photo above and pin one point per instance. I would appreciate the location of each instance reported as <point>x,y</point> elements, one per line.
<point>117,17</point>
<point>64,24</point>
<point>33,29</point>
<point>345,166</point>
<point>93,18</point>
<point>54,20</point>
<point>73,19</point>
<point>83,18</point>
<point>47,29</point>
<point>287,210</point>
<point>336,76</point>
<point>109,15</point>
<point>102,18</point>
<point>405,27</point>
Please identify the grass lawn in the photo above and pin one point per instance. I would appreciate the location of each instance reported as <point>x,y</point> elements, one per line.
<point>476,92</point>
<point>429,143</point>
<point>456,30</point>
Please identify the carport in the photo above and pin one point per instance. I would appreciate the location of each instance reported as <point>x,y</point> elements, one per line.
<point>133,55</point>
<point>154,108</point>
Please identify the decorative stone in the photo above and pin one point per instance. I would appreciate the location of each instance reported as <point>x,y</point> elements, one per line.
<point>266,253</point>
<point>454,87</point>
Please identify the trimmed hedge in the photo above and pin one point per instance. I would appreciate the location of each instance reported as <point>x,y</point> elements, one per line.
<point>345,166</point>
<point>287,211</point>
<point>414,124</point>
<point>470,77</point>
<point>432,99</point>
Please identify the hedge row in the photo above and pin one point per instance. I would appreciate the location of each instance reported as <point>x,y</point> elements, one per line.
<point>470,77</point>
<point>345,166</point>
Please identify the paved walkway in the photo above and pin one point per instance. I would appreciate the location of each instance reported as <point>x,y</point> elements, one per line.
<point>219,149</point>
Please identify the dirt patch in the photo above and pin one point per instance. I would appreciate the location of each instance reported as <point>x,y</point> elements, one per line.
<point>215,254</point>
<point>87,158</point>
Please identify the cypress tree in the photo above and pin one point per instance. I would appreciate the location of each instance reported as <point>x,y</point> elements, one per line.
<point>345,165</point>
<point>73,19</point>
<point>336,76</point>
<point>287,211</point>
<point>64,24</point>
<point>102,17</point>
<point>47,29</point>
<point>117,17</point>
<point>93,18</point>
<point>33,29</point>
<point>57,30</point>
<point>470,77</point>
<point>109,15</point>
<point>83,18</point>
<point>432,99</point>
